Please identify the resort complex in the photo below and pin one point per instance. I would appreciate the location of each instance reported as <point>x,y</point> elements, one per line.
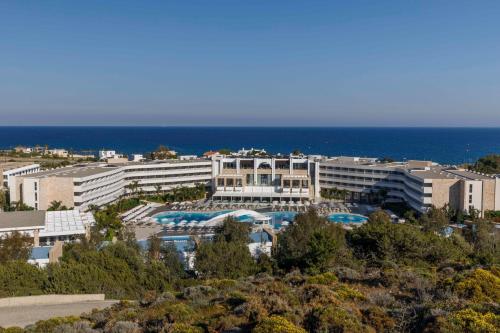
<point>271,180</point>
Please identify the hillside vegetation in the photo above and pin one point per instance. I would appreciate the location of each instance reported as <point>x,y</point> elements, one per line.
<point>380,277</point>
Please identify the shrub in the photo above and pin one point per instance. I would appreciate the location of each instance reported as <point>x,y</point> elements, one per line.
<point>18,278</point>
<point>184,328</point>
<point>378,319</point>
<point>480,286</point>
<point>277,324</point>
<point>332,319</point>
<point>325,279</point>
<point>44,326</point>
<point>468,320</point>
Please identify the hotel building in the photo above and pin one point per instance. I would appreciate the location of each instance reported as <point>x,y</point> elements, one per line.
<point>12,169</point>
<point>98,184</point>
<point>264,179</point>
<point>421,184</point>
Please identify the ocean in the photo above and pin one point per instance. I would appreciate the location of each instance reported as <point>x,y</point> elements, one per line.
<point>444,145</point>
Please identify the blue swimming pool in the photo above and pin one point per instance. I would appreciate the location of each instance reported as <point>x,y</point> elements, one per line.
<point>277,218</point>
<point>179,216</point>
<point>347,218</point>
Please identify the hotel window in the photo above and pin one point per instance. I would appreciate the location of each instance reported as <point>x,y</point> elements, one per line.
<point>470,188</point>
<point>230,182</point>
<point>277,180</point>
<point>296,183</point>
<point>36,186</point>
<point>286,183</point>
<point>220,182</point>
<point>239,182</point>
<point>264,179</point>
<point>470,198</point>
<point>305,184</point>
<point>250,179</point>
<point>36,196</point>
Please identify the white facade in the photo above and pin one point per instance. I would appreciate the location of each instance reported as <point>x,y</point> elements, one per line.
<point>105,154</point>
<point>264,179</point>
<point>99,184</point>
<point>421,184</point>
<point>19,171</point>
<point>168,174</point>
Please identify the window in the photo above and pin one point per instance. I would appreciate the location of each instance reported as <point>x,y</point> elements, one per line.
<point>286,183</point>
<point>36,185</point>
<point>470,198</point>
<point>36,196</point>
<point>470,188</point>
<point>250,179</point>
<point>230,182</point>
<point>220,182</point>
<point>239,182</point>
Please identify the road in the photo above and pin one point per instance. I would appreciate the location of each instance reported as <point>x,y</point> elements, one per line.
<point>25,315</point>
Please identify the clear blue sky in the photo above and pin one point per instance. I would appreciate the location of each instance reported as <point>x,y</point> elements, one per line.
<point>253,63</point>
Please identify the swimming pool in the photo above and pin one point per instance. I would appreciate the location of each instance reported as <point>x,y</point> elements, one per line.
<point>277,218</point>
<point>347,218</point>
<point>179,216</point>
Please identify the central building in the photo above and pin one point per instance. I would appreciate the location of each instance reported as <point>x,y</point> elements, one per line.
<point>265,179</point>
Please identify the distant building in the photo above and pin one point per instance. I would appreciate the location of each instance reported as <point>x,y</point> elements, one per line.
<point>187,157</point>
<point>22,149</point>
<point>210,153</point>
<point>58,152</point>
<point>105,154</point>
<point>137,158</point>
<point>251,152</point>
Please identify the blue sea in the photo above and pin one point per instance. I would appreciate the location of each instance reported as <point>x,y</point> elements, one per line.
<point>444,145</point>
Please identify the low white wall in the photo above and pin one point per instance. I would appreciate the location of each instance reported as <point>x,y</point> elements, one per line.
<point>48,299</point>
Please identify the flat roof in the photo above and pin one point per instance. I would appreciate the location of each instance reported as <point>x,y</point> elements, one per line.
<point>23,219</point>
<point>76,171</point>
<point>66,222</point>
<point>469,174</point>
<point>5,166</point>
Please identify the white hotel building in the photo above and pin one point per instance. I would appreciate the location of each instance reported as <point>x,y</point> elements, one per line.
<point>421,184</point>
<point>98,184</point>
<point>265,179</point>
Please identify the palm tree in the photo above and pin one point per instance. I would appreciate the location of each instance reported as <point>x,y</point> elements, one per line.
<point>158,189</point>
<point>133,186</point>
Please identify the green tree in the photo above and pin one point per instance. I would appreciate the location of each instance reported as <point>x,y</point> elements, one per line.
<point>486,243</point>
<point>171,259</point>
<point>435,219</point>
<point>311,243</point>
<point>224,151</point>
<point>15,246</point>
<point>227,256</point>
<point>379,241</point>
<point>56,205</point>
<point>233,231</point>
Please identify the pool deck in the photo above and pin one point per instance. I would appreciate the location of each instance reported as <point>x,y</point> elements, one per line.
<point>144,232</point>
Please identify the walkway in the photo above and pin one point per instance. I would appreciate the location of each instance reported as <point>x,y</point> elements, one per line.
<point>26,315</point>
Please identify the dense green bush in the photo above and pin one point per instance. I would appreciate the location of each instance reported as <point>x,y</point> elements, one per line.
<point>311,244</point>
